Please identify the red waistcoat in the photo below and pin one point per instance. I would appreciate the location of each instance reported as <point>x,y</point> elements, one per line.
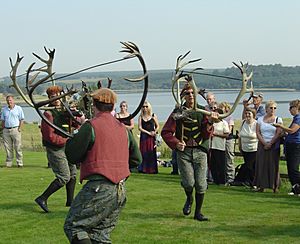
<point>109,155</point>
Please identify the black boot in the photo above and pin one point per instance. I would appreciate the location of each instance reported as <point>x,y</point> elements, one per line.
<point>70,187</point>
<point>199,201</point>
<point>42,199</point>
<point>83,241</point>
<point>188,203</point>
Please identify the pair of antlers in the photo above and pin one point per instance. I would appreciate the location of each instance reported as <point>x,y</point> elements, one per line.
<point>31,84</point>
<point>180,76</point>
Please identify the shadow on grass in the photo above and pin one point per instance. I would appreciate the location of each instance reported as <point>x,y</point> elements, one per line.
<point>255,232</point>
<point>33,208</point>
<point>162,177</point>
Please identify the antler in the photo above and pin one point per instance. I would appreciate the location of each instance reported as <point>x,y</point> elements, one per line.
<point>48,67</point>
<point>180,76</point>
<point>245,78</point>
<point>31,85</point>
<point>189,78</point>
<point>13,76</point>
<point>133,51</point>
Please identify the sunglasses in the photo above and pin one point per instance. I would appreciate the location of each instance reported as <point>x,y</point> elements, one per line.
<point>272,107</point>
<point>145,106</point>
<point>292,107</point>
<point>213,108</point>
<point>122,106</point>
<point>189,93</point>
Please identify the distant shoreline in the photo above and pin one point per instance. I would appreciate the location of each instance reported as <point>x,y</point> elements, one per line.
<point>212,90</point>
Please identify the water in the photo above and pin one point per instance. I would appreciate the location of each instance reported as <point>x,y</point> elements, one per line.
<point>163,103</point>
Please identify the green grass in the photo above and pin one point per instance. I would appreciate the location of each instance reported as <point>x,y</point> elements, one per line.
<point>153,213</point>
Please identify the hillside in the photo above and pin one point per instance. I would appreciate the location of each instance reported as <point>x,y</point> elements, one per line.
<point>264,76</point>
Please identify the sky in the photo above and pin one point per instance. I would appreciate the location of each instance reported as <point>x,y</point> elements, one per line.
<point>89,32</point>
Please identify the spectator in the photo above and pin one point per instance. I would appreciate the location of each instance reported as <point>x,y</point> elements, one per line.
<point>174,163</point>
<point>217,147</point>
<point>248,147</point>
<point>267,159</point>
<point>12,117</point>
<point>257,105</point>
<point>95,210</point>
<point>292,145</point>
<point>191,149</point>
<point>123,114</point>
<point>210,99</point>
<point>148,126</point>
<point>229,146</point>
<point>65,173</point>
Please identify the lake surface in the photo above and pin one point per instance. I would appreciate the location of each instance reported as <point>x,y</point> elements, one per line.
<point>163,103</point>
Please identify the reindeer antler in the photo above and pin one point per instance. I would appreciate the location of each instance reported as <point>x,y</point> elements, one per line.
<point>13,76</point>
<point>133,51</point>
<point>31,85</point>
<point>48,67</point>
<point>182,76</point>
<point>179,74</point>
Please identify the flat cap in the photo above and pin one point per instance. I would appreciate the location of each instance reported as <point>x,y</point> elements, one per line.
<point>104,95</point>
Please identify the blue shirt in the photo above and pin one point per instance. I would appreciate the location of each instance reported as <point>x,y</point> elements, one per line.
<point>12,117</point>
<point>295,137</point>
<point>260,111</point>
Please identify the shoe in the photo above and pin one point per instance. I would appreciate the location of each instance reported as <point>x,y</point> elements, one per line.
<point>259,190</point>
<point>291,193</point>
<point>42,203</point>
<point>187,208</point>
<point>200,217</point>
<point>174,173</point>
<point>20,166</point>
<point>228,184</point>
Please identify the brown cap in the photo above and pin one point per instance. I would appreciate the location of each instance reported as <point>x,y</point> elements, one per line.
<point>53,90</point>
<point>104,95</point>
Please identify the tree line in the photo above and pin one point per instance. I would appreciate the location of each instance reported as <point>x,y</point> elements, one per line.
<point>264,76</point>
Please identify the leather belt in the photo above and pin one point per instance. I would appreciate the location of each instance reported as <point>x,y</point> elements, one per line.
<point>11,127</point>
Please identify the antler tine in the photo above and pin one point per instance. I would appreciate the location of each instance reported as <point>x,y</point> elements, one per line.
<point>238,67</point>
<point>48,68</point>
<point>136,79</point>
<point>99,85</point>
<point>133,46</point>
<point>131,49</point>
<point>15,66</point>
<point>109,82</point>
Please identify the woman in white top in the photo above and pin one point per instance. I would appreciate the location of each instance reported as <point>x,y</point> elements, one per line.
<point>217,148</point>
<point>248,147</point>
<point>268,152</point>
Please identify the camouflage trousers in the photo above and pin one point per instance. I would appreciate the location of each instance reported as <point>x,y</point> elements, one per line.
<point>95,211</point>
<point>192,165</point>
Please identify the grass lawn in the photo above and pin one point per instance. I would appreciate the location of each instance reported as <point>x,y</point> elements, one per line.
<point>153,213</point>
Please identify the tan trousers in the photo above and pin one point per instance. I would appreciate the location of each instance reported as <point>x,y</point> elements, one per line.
<point>12,140</point>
